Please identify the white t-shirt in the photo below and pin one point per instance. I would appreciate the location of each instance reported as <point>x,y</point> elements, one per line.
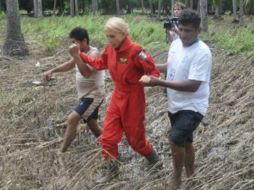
<point>189,63</point>
<point>93,86</point>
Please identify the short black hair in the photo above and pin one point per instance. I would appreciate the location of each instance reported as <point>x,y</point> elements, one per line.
<point>189,16</point>
<point>79,34</point>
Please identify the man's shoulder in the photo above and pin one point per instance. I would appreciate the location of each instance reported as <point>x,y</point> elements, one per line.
<point>202,45</point>
<point>202,49</point>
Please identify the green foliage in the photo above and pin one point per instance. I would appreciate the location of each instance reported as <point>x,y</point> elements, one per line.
<point>249,5</point>
<point>50,32</point>
<point>2,22</point>
<point>239,40</point>
<point>2,15</point>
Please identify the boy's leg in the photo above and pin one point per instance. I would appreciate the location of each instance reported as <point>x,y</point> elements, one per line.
<point>70,133</point>
<point>93,126</point>
<point>92,122</point>
<point>83,108</point>
<point>89,113</point>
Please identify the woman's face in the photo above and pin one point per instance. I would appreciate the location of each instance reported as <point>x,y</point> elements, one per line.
<point>177,11</point>
<point>115,38</point>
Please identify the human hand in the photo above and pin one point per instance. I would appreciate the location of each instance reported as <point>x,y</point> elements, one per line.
<point>176,30</point>
<point>147,80</point>
<point>74,50</point>
<point>47,75</point>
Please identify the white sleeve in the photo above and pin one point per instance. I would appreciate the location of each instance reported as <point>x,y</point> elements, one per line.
<point>200,68</point>
<point>173,46</point>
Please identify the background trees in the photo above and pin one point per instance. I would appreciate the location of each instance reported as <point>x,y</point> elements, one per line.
<point>158,8</point>
<point>76,7</point>
<point>14,43</point>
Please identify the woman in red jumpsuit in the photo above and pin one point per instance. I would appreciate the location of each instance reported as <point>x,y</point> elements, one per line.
<point>126,62</point>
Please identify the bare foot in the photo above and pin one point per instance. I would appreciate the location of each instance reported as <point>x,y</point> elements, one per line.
<point>174,183</point>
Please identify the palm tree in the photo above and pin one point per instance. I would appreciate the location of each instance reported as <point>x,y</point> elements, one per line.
<point>172,7</point>
<point>159,9</point>
<point>203,14</point>
<point>151,7</point>
<point>38,8</point>
<point>217,8</point>
<point>117,7</point>
<point>249,6</point>
<point>241,13</point>
<point>54,7</point>
<point>234,11</point>
<point>14,44</point>
<point>76,7</point>
<point>142,6</point>
<point>72,7</point>
<point>95,6</point>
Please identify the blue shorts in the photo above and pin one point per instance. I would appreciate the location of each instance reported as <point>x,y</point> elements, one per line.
<point>88,108</point>
<point>183,124</point>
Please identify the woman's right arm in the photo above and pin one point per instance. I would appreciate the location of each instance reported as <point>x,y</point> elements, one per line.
<point>98,63</point>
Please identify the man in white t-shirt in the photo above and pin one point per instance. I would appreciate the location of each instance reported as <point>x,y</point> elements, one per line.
<point>90,88</point>
<point>188,77</point>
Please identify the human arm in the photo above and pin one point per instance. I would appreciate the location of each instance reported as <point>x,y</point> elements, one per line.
<point>61,68</point>
<point>162,67</point>
<point>173,34</point>
<point>98,63</point>
<point>145,62</point>
<point>185,86</point>
<point>84,69</point>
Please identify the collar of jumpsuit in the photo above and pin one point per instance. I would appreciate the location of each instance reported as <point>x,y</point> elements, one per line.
<point>125,44</point>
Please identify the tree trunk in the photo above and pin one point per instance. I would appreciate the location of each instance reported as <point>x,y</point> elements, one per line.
<point>198,8</point>
<point>72,8</point>
<point>54,8</point>
<point>159,9</point>
<point>191,4</point>
<point>117,7</point>
<point>241,13</point>
<point>203,14</point>
<point>172,7</point>
<point>234,10</point>
<point>37,8</point>
<point>14,44</point>
<point>76,7</point>
<point>151,7</point>
<point>217,11</point>
<point>94,6</point>
<point>142,6</point>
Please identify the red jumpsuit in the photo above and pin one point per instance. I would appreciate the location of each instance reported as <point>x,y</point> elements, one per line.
<point>126,110</point>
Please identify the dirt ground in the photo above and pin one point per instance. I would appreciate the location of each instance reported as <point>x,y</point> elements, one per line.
<point>33,120</point>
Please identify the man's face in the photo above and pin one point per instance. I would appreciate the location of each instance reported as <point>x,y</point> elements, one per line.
<point>82,44</point>
<point>115,38</point>
<point>188,34</point>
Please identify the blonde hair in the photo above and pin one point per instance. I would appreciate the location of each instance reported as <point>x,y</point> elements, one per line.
<point>180,4</point>
<point>117,25</point>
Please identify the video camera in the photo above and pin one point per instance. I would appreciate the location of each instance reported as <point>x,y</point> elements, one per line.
<point>170,23</point>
